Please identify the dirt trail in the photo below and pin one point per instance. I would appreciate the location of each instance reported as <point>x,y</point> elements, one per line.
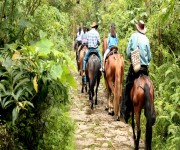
<point>96,130</point>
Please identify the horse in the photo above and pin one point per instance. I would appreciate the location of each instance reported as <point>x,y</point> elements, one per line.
<point>113,75</point>
<point>104,45</point>
<point>93,75</point>
<point>81,58</point>
<point>142,96</point>
<point>80,64</point>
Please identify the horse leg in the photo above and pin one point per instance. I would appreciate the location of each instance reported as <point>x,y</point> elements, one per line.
<point>111,86</point>
<point>89,91</point>
<point>92,96</point>
<point>133,128</point>
<point>108,95</point>
<point>138,129</point>
<point>97,85</point>
<point>82,89</point>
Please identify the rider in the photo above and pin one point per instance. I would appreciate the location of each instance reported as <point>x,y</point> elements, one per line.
<point>137,39</point>
<point>93,40</point>
<point>112,41</point>
<point>78,38</point>
<point>83,41</point>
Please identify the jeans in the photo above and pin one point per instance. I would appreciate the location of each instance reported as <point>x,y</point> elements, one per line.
<point>88,54</point>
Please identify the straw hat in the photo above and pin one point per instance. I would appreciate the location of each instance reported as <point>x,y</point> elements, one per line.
<point>140,27</point>
<point>94,24</point>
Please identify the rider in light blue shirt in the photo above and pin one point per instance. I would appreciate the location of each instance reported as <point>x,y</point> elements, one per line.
<point>112,40</point>
<point>137,39</point>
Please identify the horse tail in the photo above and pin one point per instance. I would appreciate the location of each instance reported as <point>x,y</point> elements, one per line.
<point>117,87</point>
<point>96,70</point>
<point>148,116</point>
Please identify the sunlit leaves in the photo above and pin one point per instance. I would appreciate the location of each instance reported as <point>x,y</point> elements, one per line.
<point>35,84</point>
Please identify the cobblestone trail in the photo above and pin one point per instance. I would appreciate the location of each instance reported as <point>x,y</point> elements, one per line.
<point>96,130</point>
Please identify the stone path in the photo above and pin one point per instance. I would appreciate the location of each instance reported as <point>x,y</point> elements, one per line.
<point>96,130</point>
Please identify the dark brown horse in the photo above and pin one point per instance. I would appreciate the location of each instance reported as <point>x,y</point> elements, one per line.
<point>114,74</point>
<point>142,96</point>
<point>93,75</point>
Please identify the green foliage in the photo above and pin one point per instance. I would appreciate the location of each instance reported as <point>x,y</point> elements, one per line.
<point>15,88</point>
<point>167,126</point>
<point>59,131</point>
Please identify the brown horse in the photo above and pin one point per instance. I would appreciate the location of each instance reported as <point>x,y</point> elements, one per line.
<point>142,96</point>
<point>104,45</point>
<point>114,74</point>
<point>81,59</point>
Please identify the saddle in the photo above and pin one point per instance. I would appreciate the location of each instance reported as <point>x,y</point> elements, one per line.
<point>113,50</point>
<point>93,52</point>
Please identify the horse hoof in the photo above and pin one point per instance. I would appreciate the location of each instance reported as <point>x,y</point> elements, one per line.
<point>106,108</point>
<point>112,113</point>
<point>118,118</point>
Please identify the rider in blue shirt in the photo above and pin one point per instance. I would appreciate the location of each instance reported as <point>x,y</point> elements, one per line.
<point>112,41</point>
<point>137,39</point>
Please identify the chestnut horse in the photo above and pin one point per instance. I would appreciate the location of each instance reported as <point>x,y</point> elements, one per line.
<point>142,96</point>
<point>113,75</point>
<point>104,45</point>
<point>81,59</point>
<point>93,75</point>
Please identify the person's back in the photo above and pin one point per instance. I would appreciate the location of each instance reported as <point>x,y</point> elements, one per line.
<point>93,38</point>
<point>84,36</point>
<point>79,35</point>
<point>112,41</point>
<point>93,41</point>
<point>140,40</point>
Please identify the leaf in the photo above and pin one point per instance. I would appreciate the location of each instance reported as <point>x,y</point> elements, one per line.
<point>56,71</point>
<point>15,55</point>
<point>43,47</point>
<point>7,63</point>
<point>42,34</point>
<point>28,103</point>
<point>168,72</point>
<point>2,88</point>
<point>17,77</point>
<point>7,103</point>
<point>15,113</point>
<point>70,80</point>
<point>35,84</point>
<point>21,83</point>
<point>18,94</point>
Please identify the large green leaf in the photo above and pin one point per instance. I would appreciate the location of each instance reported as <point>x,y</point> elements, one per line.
<point>43,47</point>
<point>15,113</point>
<point>56,71</point>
